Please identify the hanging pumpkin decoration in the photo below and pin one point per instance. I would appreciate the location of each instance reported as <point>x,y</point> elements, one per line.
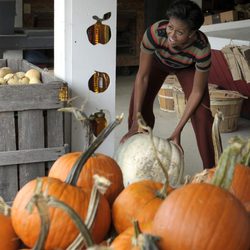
<point>99,33</point>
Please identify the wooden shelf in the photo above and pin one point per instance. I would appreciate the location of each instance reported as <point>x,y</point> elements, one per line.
<point>238,30</point>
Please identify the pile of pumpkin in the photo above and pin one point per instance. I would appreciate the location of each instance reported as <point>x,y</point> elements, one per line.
<point>7,76</point>
<point>209,213</point>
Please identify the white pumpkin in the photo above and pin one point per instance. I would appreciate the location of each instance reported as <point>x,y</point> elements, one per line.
<point>4,71</point>
<point>2,81</point>
<point>137,159</point>
<point>33,73</point>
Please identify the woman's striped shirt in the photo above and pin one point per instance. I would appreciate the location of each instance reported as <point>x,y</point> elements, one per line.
<point>198,53</point>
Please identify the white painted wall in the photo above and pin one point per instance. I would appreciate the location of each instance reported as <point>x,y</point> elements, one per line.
<point>76,59</point>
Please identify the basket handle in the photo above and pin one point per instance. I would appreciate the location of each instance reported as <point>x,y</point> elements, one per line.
<point>239,94</point>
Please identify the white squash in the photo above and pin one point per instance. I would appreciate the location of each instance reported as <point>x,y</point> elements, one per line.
<point>137,159</point>
<point>24,80</point>
<point>33,73</point>
<point>12,79</point>
<point>2,81</point>
<point>34,80</point>
<point>20,74</point>
<point>4,71</point>
<point>8,76</point>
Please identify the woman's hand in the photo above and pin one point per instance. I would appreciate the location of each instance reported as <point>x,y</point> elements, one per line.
<point>176,138</point>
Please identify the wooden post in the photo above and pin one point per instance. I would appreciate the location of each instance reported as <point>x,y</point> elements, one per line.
<point>76,59</point>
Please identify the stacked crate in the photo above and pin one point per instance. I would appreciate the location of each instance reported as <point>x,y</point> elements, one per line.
<point>32,132</point>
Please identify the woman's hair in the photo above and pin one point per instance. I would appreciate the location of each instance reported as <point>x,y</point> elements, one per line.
<point>187,11</point>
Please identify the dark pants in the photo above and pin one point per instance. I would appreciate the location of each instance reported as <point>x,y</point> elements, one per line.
<point>201,119</point>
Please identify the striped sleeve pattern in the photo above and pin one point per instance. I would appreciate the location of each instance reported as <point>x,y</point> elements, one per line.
<point>152,37</point>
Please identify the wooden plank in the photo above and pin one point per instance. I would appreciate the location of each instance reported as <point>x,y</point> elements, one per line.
<point>46,77</point>
<point>31,136</point>
<point>30,97</point>
<point>30,156</point>
<point>3,63</point>
<point>8,175</point>
<point>14,64</point>
<point>55,130</point>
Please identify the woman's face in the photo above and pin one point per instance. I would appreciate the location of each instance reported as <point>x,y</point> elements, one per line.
<point>178,32</point>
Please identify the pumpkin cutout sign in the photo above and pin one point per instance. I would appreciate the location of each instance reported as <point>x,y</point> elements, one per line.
<point>99,33</point>
<point>99,82</point>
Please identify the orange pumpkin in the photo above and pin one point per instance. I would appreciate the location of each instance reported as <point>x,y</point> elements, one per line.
<point>138,201</point>
<point>202,216</point>
<point>124,241</point>
<point>8,238</point>
<point>240,185</point>
<point>99,164</point>
<point>62,229</point>
<point>237,160</point>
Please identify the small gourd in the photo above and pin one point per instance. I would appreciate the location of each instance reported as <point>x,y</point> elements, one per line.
<point>13,80</point>
<point>2,81</point>
<point>4,71</point>
<point>34,80</point>
<point>7,77</point>
<point>24,80</point>
<point>34,76</point>
<point>20,74</point>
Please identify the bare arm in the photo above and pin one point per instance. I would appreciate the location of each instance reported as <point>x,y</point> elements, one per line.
<point>200,82</point>
<point>140,89</point>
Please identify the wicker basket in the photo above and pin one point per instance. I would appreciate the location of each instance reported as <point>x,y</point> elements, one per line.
<point>165,97</point>
<point>229,103</point>
<point>179,100</point>
<point>226,101</point>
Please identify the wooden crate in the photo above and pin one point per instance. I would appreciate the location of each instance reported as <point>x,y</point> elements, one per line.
<point>31,129</point>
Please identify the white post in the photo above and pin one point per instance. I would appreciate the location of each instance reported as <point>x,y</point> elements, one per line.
<point>76,59</point>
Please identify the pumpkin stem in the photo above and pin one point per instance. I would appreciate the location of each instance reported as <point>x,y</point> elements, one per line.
<point>81,116</point>
<point>176,168</point>
<point>148,242</point>
<point>246,154</point>
<point>163,192</point>
<point>218,117</point>
<point>142,124</point>
<point>43,201</point>
<point>137,232</point>
<point>143,241</point>
<point>77,168</point>
<point>5,209</point>
<point>76,218</point>
<point>40,201</point>
<point>100,186</point>
<point>174,172</point>
<point>245,150</point>
<point>225,169</point>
